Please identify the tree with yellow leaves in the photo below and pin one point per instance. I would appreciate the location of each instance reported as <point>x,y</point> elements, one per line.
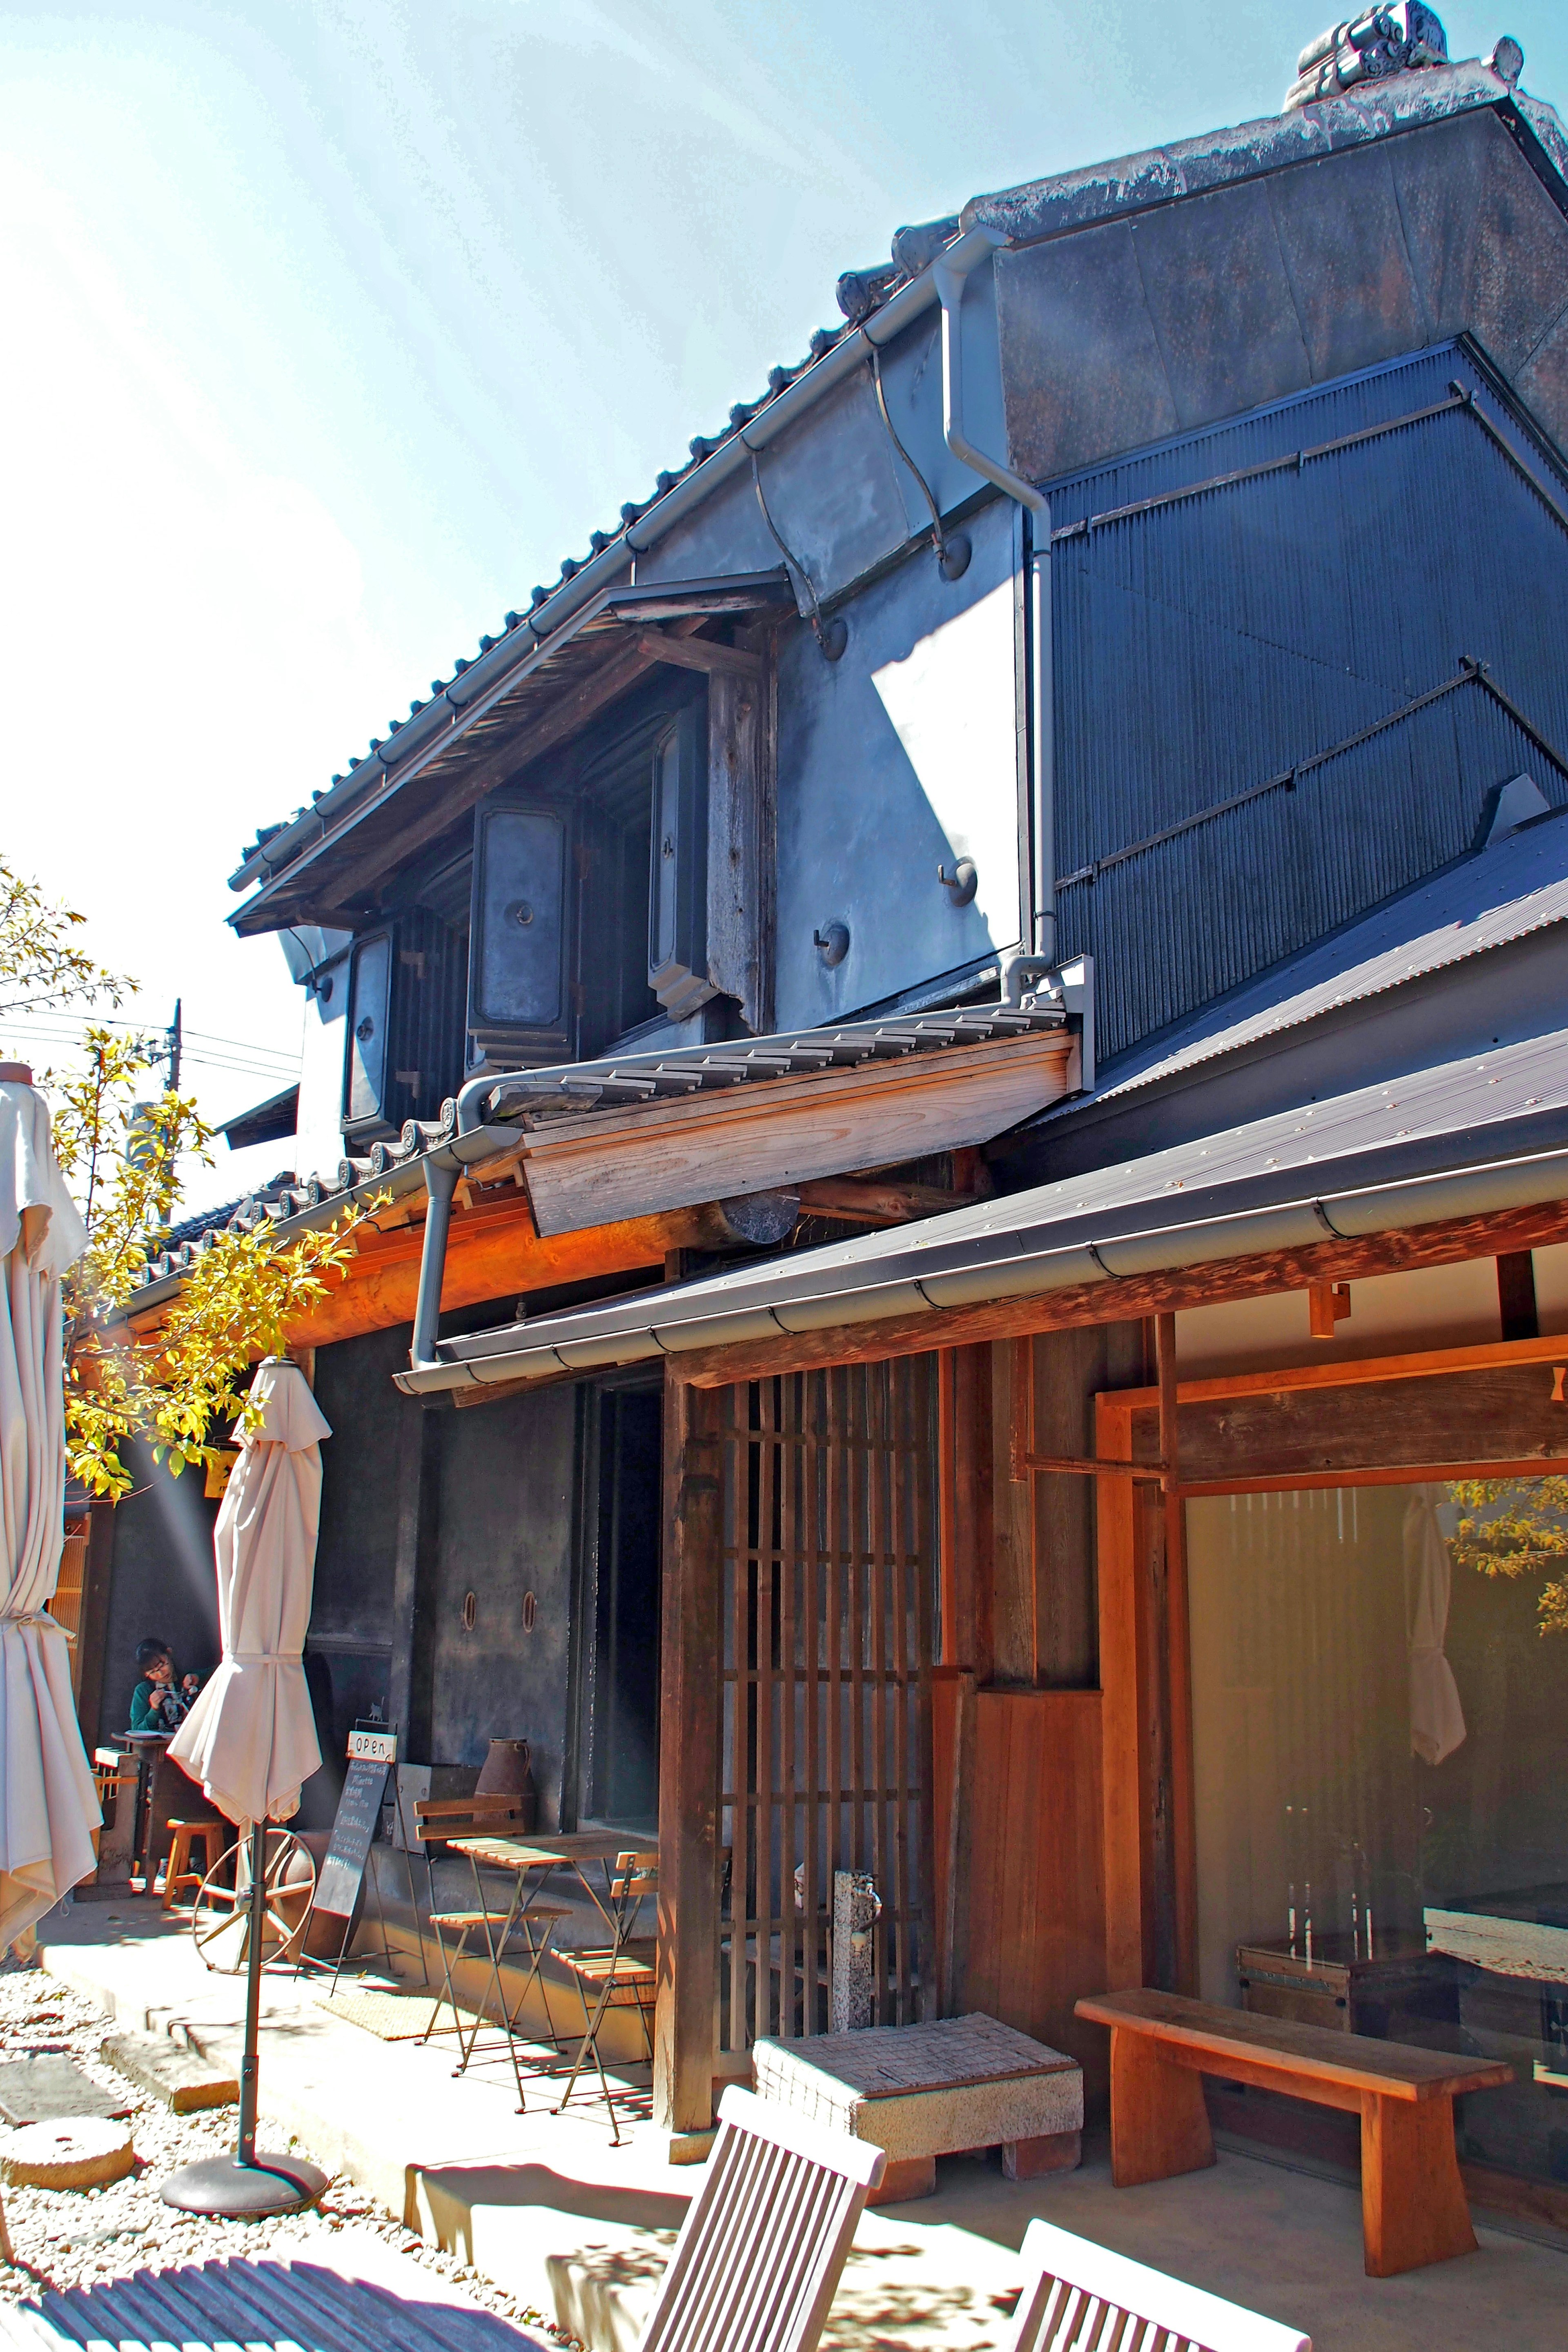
<point>177,1382</point>
<point>1517,1527</point>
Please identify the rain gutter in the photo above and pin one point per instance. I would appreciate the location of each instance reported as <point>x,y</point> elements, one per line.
<point>663,1328</point>
<point>485,682</point>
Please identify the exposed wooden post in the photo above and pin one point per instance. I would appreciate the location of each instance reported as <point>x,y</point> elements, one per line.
<point>1516,1296</point>
<point>1127,1795</point>
<point>1184,1825</point>
<point>689,1730</point>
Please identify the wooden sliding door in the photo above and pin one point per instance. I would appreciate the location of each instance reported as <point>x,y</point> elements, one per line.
<point>828,1591</point>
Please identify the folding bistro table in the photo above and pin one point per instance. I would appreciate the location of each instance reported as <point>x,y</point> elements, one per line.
<point>530,1861</point>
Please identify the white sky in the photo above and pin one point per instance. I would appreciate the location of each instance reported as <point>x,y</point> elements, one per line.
<point>332,328</point>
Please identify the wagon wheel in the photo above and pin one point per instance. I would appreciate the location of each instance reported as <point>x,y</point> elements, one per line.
<point>220,1923</point>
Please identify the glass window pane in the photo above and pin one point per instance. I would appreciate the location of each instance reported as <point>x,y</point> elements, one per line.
<point>1380,1687</point>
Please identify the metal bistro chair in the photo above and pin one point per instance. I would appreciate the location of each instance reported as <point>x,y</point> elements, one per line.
<point>622,1976</point>
<point>435,1821</point>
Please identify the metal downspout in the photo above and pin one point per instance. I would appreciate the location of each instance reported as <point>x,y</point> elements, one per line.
<point>442,1181</point>
<point>950,275</point>
<point>443,1166</point>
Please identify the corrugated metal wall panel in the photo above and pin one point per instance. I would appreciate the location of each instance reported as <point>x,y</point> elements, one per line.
<point>1205,647</point>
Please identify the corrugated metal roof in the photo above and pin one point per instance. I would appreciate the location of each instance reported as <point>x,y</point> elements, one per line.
<point>1384,1152</point>
<point>1196,851</point>
<point>294,2306</point>
<point>1501,895</point>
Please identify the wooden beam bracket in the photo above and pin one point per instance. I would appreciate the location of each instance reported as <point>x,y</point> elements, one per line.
<point>700,654</point>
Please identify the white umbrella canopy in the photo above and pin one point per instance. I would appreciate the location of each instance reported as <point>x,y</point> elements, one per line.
<point>251,1738</point>
<point>49,1806</point>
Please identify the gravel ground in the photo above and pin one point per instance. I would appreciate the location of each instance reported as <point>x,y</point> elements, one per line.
<point>75,2237</point>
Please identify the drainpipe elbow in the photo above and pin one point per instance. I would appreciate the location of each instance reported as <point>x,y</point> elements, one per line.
<point>442,1182</point>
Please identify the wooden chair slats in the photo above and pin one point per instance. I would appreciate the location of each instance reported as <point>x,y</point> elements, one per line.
<point>763,2243</point>
<point>1080,2298</point>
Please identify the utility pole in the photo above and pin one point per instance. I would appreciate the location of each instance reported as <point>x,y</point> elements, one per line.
<point>174,1035</point>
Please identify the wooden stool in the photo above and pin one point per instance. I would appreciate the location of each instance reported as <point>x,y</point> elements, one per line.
<point>177,1870</point>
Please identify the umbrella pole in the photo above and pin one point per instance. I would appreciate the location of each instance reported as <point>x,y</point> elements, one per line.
<point>246,2187</point>
<point>245,2153</point>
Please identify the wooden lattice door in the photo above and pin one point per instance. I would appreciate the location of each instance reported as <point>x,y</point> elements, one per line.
<point>829,1575</point>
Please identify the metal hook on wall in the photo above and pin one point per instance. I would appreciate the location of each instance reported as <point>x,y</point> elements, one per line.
<point>833,635</point>
<point>952,548</point>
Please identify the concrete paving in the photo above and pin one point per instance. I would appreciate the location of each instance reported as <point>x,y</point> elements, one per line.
<point>549,2207</point>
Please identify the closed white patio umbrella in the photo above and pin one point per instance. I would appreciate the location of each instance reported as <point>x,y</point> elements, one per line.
<point>251,1738</point>
<point>49,1806</point>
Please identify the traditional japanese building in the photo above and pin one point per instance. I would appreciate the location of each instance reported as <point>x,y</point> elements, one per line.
<point>960,1036</point>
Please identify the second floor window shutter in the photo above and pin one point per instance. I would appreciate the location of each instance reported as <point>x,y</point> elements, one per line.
<point>370,1006</point>
<point>520,996</point>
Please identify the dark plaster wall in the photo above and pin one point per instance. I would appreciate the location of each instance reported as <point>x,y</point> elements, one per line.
<point>1121,333</point>
<point>506,1524</point>
<point>162,1582</point>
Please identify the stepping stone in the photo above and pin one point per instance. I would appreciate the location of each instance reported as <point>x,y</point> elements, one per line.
<point>35,2090</point>
<point>179,2075</point>
<point>76,2152</point>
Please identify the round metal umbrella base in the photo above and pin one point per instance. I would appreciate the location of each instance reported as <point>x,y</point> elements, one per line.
<point>245,2192</point>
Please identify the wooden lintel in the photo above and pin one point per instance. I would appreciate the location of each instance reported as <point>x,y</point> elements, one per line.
<point>700,653</point>
<point>1226,1281</point>
<point>1089,1465</point>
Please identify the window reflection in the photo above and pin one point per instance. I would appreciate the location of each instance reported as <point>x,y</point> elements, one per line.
<point>1381,1708</point>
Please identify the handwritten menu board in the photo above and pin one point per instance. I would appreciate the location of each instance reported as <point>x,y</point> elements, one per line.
<point>353,1833</point>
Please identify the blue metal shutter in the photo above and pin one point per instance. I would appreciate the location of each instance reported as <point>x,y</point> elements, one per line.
<point>519,981</point>
<point>364,1067</point>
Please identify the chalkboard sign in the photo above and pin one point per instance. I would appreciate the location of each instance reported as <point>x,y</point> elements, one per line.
<point>353,1833</point>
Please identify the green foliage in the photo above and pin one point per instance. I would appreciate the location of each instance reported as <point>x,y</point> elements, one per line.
<point>175,1378</point>
<point>41,969</point>
<point>1523,1530</point>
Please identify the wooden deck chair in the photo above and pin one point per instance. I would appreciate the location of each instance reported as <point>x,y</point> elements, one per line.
<point>758,2259</point>
<point>1080,2298</point>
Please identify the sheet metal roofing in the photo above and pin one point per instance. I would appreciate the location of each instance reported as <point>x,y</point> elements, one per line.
<point>1375,1158</point>
<point>1501,895</point>
<point>1037,209</point>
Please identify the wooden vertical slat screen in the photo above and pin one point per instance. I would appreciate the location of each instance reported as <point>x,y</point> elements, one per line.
<point>830,1540</point>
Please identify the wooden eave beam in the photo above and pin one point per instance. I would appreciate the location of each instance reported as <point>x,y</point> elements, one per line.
<point>492,1252</point>
<point>873,1203</point>
<point>1226,1281</point>
<point>445,798</point>
<point>700,652</point>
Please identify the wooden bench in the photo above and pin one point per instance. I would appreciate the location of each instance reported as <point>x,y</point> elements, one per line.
<point>1412,2198</point>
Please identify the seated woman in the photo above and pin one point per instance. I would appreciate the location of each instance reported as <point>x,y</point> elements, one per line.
<point>155,1704</point>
